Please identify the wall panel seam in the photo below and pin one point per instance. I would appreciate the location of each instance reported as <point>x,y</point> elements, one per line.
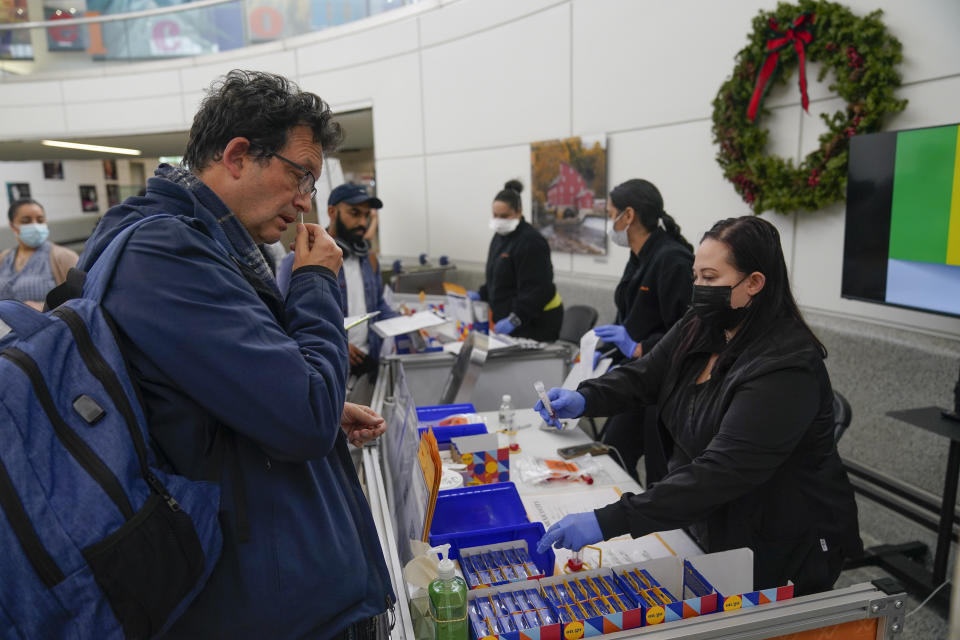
<point>470,34</point>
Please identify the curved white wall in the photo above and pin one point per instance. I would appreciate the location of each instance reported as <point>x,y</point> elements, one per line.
<point>459,88</point>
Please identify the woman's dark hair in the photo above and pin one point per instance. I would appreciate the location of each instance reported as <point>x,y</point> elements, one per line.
<point>16,204</point>
<point>754,245</point>
<point>511,194</point>
<point>646,200</point>
<point>261,107</point>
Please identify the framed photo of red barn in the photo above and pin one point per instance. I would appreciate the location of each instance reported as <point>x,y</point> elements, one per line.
<point>569,193</point>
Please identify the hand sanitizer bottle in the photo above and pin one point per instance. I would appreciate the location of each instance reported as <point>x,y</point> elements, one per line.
<point>448,600</point>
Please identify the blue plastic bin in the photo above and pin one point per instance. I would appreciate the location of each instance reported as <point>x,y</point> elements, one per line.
<point>486,514</point>
<point>435,413</point>
<point>444,434</point>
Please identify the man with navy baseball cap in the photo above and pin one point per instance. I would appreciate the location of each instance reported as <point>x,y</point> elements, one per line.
<point>349,208</point>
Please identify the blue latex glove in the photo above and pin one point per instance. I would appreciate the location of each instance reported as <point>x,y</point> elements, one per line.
<point>574,532</point>
<point>473,295</point>
<point>565,403</point>
<point>504,326</point>
<point>615,334</point>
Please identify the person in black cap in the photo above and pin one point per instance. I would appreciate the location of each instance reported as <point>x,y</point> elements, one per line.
<point>349,207</point>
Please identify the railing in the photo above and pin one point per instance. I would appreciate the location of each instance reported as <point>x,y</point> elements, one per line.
<point>136,30</point>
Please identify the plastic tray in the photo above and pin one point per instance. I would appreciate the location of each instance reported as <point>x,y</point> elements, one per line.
<point>486,514</point>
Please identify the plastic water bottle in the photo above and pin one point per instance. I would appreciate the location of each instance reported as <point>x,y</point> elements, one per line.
<point>506,413</point>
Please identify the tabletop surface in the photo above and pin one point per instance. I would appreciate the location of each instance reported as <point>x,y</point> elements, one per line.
<point>549,501</point>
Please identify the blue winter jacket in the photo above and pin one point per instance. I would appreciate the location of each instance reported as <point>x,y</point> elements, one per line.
<point>210,356</point>
<point>372,294</point>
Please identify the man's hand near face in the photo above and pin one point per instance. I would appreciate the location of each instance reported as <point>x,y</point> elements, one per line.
<point>314,246</point>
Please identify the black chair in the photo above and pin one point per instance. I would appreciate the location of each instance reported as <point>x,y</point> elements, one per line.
<point>577,320</point>
<point>842,415</point>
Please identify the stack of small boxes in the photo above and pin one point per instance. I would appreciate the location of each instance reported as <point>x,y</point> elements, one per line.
<point>497,564</point>
<point>502,612</point>
<point>645,589</point>
<point>581,598</point>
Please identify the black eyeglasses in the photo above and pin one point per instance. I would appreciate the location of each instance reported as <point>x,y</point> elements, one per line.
<point>307,184</point>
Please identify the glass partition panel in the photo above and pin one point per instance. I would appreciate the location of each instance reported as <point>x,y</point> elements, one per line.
<point>155,31</point>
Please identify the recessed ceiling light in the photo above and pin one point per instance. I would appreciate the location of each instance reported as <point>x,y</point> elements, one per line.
<point>91,147</point>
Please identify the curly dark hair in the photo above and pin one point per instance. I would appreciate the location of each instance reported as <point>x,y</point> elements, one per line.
<point>261,107</point>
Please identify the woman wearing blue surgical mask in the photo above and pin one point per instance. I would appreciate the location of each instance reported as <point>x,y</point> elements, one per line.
<point>746,409</point>
<point>654,292</point>
<point>35,265</point>
<point>519,275</point>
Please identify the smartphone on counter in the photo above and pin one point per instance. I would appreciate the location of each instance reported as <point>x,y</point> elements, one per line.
<point>593,448</point>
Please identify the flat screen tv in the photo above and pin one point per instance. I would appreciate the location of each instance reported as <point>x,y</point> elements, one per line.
<point>902,240</point>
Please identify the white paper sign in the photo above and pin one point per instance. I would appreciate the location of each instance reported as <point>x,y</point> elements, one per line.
<point>406,324</point>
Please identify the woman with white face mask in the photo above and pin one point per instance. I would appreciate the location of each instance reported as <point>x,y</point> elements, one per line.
<point>519,275</point>
<point>35,265</point>
<point>654,292</point>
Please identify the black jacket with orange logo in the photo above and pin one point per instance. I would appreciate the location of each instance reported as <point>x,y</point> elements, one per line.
<point>655,289</point>
<point>519,274</point>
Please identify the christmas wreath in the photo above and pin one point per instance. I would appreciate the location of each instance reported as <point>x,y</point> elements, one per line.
<point>863,58</point>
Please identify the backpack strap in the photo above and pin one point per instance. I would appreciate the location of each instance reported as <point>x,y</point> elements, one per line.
<point>101,272</point>
<point>69,289</point>
<point>23,320</point>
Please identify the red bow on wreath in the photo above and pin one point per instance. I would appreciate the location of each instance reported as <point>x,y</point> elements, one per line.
<point>795,34</point>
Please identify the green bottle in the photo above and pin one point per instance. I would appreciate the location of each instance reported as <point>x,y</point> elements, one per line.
<point>448,600</point>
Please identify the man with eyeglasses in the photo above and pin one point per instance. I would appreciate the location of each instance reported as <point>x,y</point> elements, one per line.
<point>349,208</point>
<point>244,386</point>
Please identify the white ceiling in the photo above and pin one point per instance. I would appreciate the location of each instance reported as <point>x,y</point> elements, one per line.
<point>357,126</point>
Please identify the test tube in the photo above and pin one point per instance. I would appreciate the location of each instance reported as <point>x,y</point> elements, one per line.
<point>489,616</point>
<point>482,575</point>
<point>490,565</point>
<point>468,572</point>
<point>533,596</point>
<point>528,564</point>
<point>597,586</point>
<point>529,611</point>
<point>642,577</point>
<point>477,621</point>
<point>516,613</point>
<point>505,567</point>
<point>545,399</point>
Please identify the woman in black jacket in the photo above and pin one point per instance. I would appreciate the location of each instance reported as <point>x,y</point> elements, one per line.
<point>654,292</point>
<point>519,284</point>
<point>746,409</point>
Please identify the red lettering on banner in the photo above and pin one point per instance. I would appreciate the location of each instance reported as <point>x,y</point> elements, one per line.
<point>165,34</point>
<point>266,22</point>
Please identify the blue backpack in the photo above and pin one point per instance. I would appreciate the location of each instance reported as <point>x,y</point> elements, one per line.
<point>95,540</point>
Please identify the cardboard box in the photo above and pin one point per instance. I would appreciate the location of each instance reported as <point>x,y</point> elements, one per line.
<point>728,576</point>
<point>486,461</point>
<point>506,566</point>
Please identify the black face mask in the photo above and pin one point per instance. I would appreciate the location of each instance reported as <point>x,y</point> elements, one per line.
<point>712,305</point>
